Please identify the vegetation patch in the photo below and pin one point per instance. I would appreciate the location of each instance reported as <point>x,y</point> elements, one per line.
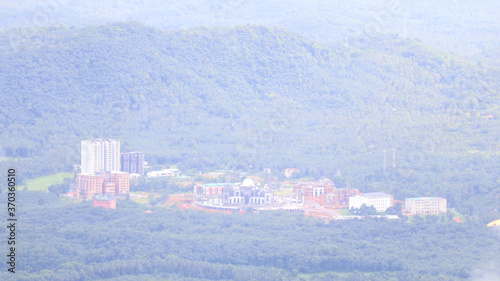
<point>43,183</point>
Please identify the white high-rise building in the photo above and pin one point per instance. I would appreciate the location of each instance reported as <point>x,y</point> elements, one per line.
<point>100,155</point>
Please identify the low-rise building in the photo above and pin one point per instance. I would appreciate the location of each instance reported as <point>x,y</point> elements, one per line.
<point>380,200</point>
<point>425,205</point>
<point>164,173</point>
<point>314,189</point>
<point>339,197</point>
<point>135,176</point>
<point>105,202</point>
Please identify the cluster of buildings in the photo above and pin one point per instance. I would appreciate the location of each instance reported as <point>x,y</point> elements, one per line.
<point>382,201</point>
<point>233,196</point>
<point>229,196</point>
<point>106,172</point>
<point>325,192</point>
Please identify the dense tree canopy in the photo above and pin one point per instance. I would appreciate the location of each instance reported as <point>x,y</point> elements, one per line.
<point>74,241</point>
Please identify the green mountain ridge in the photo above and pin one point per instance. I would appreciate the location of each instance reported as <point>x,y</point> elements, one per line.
<point>469,29</point>
<point>253,97</point>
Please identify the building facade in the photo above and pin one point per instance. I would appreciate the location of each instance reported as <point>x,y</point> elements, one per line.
<point>381,201</point>
<point>121,181</point>
<point>165,173</point>
<point>105,202</point>
<point>107,184</point>
<point>89,185</point>
<point>314,189</point>
<point>425,205</point>
<point>132,162</point>
<point>100,155</point>
<point>235,195</point>
<point>339,197</point>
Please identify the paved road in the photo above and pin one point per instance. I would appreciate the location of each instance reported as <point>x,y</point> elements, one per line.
<point>319,207</point>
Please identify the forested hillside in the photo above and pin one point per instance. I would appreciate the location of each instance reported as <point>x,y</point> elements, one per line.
<point>253,97</point>
<point>74,241</point>
<point>466,28</point>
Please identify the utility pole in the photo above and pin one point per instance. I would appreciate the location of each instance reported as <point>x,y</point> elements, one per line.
<point>385,160</point>
<point>394,158</point>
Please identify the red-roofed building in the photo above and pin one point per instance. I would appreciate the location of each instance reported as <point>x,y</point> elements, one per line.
<point>314,189</point>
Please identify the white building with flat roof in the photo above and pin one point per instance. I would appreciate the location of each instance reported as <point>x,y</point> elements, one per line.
<point>380,200</point>
<point>170,173</point>
<point>425,205</point>
<point>100,155</point>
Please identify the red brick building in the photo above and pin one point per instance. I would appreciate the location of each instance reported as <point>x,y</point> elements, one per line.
<point>339,197</point>
<point>89,185</point>
<point>108,188</point>
<point>120,180</point>
<point>107,184</point>
<point>314,189</point>
<point>324,192</point>
<point>105,202</point>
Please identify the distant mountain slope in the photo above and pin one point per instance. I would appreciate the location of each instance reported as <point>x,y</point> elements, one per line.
<point>253,97</point>
<point>469,29</point>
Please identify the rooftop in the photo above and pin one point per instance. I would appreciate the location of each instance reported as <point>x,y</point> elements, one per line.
<point>374,194</point>
<point>424,198</point>
<point>104,198</point>
<point>219,184</point>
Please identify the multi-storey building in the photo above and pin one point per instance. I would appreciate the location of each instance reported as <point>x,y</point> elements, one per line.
<point>100,155</point>
<point>121,181</point>
<point>108,184</point>
<point>133,162</point>
<point>425,205</point>
<point>89,185</point>
<point>381,201</point>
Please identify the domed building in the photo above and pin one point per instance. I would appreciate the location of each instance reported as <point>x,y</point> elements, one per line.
<point>248,182</point>
<point>494,223</point>
<point>238,196</point>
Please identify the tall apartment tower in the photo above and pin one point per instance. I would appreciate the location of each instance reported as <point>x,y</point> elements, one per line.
<point>100,155</point>
<point>133,162</point>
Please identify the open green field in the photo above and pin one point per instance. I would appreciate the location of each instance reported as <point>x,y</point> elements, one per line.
<point>43,183</point>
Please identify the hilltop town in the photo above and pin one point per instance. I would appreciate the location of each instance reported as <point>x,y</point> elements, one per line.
<point>106,173</point>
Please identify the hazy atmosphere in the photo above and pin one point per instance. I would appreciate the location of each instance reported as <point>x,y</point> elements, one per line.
<point>262,140</point>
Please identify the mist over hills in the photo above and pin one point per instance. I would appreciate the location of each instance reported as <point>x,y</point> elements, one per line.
<point>253,97</point>
<point>469,29</point>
